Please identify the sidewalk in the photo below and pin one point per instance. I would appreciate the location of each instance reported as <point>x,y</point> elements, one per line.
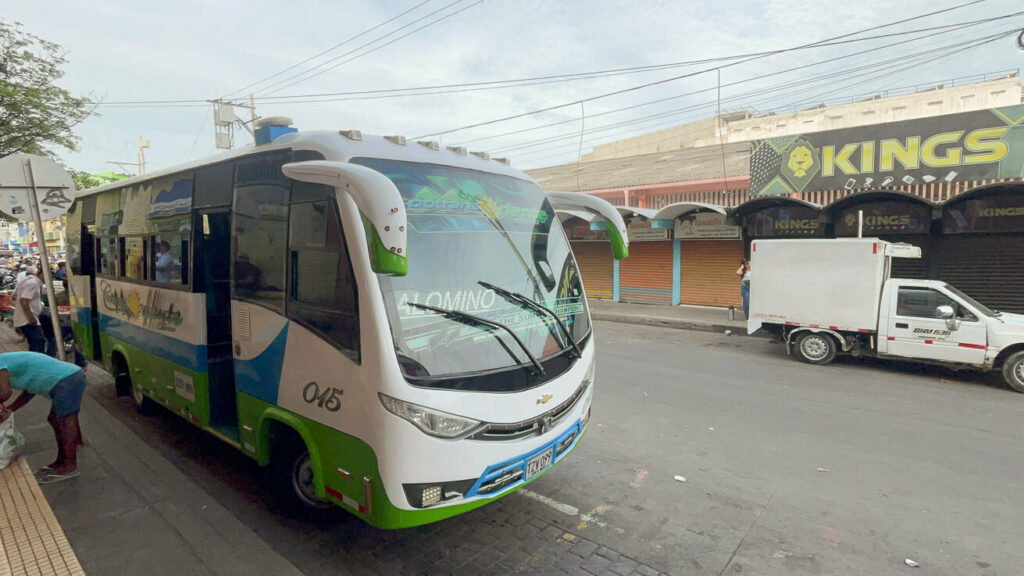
<point>684,317</point>
<point>131,511</point>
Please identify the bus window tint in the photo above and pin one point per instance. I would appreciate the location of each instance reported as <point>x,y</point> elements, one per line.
<point>135,258</point>
<point>261,231</point>
<point>322,292</point>
<point>108,255</point>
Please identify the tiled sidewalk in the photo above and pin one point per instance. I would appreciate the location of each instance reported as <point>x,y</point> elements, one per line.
<point>31,540</point>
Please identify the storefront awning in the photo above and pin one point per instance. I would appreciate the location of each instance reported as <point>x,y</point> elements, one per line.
<point>673,211</point>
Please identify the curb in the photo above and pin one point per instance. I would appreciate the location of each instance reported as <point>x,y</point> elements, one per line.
<point>668,323</point>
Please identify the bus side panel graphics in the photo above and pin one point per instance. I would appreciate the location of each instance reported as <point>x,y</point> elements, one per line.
<point>259,335</point>
<point>181,389</point>
<point>334,452</point>
<point>171,313</point>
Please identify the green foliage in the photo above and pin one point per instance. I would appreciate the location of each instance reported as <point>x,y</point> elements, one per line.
<point>34,112</point>
<point>84,180</point>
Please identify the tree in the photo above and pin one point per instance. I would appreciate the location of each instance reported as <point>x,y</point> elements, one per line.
<point>84,180</point>
<point>34,112</point>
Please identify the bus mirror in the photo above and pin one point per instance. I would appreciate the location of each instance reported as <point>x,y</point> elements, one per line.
<point>380,204</point>
<point>616,226</point>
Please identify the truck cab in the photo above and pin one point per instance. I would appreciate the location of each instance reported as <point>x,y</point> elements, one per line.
<point>932,320</point>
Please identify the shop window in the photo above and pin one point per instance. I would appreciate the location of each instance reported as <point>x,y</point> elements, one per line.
<point>322,291</point>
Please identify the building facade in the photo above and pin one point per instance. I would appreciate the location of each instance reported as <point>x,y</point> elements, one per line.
<point>949,182</point>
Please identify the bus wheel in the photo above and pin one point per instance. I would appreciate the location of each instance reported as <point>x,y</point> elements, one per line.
<point>815,348</point>
<point>123,384</point>
<point>1013,371</point>
<point>292,470</point>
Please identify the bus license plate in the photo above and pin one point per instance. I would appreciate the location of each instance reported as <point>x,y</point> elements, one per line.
<point>538,463</point>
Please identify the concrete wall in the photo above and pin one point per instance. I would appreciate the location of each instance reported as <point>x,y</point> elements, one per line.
<point>740,127</point>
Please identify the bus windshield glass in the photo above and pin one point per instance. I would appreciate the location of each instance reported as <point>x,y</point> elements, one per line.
<point>474,239</point>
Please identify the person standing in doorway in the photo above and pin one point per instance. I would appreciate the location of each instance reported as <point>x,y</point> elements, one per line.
<point>744,273</point>
<point>27,306</point>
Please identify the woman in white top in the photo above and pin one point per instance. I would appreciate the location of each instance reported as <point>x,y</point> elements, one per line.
<point>744,273</point>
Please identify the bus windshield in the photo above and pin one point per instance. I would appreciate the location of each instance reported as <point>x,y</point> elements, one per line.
<point>474,239</point>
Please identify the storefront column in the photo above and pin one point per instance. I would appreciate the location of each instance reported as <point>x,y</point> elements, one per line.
<point>615,281</point>
<point>677,276</point>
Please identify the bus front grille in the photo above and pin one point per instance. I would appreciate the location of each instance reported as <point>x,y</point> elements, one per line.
<point>532,427</point>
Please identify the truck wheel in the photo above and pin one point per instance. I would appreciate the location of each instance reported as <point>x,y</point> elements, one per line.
<point>815,348</point>
<point>1013,371</point>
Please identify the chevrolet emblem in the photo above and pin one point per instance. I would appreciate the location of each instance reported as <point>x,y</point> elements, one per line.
<point>544,399</point>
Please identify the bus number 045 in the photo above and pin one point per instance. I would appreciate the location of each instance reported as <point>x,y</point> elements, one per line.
<point>328,398</point>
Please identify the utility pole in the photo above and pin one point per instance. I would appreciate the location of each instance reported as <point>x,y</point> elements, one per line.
<point>225,120</point>
<point>143,144</point>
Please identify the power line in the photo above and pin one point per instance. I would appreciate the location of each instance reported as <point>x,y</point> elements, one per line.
<point>536,80</point>
<point>374,49</point>
<point>331,49</point>
<point>752,79</point>
<point>659,82</point>
<point>901,64</point>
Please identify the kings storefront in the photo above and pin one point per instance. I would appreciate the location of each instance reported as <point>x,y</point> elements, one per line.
<point>951,185</point>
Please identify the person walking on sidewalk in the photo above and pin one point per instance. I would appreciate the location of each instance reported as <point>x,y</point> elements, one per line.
<point>27,306</point>
<point>744,273</point>
<point>34,373</point>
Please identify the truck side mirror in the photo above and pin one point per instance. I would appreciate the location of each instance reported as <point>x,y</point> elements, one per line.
<point>945,312</point>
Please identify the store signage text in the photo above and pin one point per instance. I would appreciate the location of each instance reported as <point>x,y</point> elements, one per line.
<point>936,152</point>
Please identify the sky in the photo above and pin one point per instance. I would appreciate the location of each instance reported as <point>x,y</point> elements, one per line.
<point>129,51</point>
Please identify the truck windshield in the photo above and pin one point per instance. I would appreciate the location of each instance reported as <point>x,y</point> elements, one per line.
<point>971,301</point>
<point>468,230</point>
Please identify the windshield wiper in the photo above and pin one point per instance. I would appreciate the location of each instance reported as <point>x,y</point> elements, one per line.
<point>470,319</point>
<point>537,306</point>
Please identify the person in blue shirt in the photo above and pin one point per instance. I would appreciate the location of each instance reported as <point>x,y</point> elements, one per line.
<point>63,383</point>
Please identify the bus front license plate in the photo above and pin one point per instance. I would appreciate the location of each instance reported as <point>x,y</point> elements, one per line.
<point>538,463</point>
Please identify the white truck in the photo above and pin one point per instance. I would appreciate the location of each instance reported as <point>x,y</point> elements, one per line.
<point>830,297</point>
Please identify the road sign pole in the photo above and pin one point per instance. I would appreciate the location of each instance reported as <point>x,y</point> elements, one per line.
<point>37,223</point>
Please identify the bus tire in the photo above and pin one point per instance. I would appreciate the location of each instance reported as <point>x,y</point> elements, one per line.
<point>291,470</point>
<point>123,384</point>
<point>815,348</point>
<point>1013,371</point>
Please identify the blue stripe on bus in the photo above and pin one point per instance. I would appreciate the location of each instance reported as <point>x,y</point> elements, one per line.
<point>261,376</point>
<point>187,355</point>
<point>83,316</point>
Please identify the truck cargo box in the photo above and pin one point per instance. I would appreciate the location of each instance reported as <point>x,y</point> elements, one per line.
<point>833,284</point>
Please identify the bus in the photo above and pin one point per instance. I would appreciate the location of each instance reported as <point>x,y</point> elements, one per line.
<point>393,327</point>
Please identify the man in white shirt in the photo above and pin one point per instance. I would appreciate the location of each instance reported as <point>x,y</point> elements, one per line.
<point>22,272</point>
<point>164,263</point>
<point>27,306</point>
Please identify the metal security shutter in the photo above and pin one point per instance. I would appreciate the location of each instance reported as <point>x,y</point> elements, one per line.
<point>595,262</point>
<point>709,273</point>
<point>913,268</point>
<point>986,267</point>
<point>646,274</point>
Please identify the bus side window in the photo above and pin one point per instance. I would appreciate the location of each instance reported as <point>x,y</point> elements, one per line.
<point>322,292</point>
<point>260,234</point>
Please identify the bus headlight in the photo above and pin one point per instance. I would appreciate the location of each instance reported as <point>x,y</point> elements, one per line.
<point>433,422</point>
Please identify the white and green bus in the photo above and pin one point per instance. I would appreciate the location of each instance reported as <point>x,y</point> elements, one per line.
<point>391,326</point>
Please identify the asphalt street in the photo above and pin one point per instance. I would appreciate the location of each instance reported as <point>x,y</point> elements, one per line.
<point>706,454</point>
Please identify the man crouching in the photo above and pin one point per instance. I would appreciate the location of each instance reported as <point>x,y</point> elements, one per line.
<point>34,373</point>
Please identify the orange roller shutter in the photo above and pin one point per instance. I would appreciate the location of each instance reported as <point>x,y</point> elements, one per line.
<point>646,274</point>
<point>595,263</point>
<point>709,273</point>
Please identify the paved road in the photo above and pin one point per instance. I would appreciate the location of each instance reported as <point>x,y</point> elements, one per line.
<point>789,469</point>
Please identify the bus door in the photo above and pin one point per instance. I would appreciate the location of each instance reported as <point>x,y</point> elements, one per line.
<point>214,251</point>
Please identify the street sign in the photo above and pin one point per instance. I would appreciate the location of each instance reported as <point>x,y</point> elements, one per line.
<point>38,186</point>
<point>54,187</point>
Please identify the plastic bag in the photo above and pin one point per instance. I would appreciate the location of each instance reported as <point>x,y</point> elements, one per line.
<point>12,442</point>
